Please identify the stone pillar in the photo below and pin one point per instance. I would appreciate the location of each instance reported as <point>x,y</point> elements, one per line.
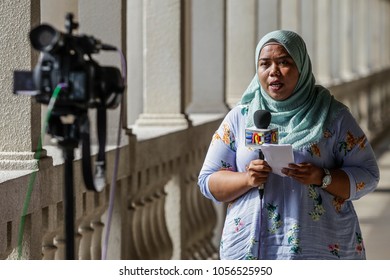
<point>386,12</point>
<point>290,15</point>
<point>241,40</point>
<point>362,11</point>
<point>335,39</point>
<point>268,16</point>
<point>134,60</point>
<point>323,70</point>
<point>308,28</point>
<point>346,39</point>
<point>373,40</point>
<point>105,20</point>
<point>20,115</point>
<point>207,57</point>
<point>163,94</point>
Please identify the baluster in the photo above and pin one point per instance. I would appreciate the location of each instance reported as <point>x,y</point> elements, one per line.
<point>48,252</point>
<point>96,246</point>
<point>4,237</point>
<point>189,226</point>
<point>166,246</point>
<point>197,226</point>
<point>139,240</point>
<point>86,233</point>
<point>146,224</point>
<point>132,242</point>
<point>209,221</point>
<point>77,240</point>
<point>59,243</point>
<point>48,247</point>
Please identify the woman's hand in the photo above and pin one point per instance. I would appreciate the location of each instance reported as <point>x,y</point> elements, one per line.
<point>305,173</point>
<point>228,185</point>
<point>309,174</point>
<point>257,172</point>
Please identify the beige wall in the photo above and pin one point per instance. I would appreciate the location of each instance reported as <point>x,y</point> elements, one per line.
<point>53,11</point>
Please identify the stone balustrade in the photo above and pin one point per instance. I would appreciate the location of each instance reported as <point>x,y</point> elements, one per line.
<point>369,100</point>
<point>159,212</point>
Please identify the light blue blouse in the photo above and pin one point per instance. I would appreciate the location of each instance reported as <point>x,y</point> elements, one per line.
<point>294,221</point>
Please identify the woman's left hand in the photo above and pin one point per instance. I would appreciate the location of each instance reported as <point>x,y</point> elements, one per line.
<point>305,173</point>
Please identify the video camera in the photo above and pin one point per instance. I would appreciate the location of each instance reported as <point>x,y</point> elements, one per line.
<point>66,59</point>
<point>66,62</point>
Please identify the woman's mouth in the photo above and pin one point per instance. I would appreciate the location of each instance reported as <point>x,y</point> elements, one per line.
<point>275,86</point>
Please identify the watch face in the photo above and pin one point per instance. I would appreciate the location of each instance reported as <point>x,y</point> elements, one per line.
<point>327,180</point>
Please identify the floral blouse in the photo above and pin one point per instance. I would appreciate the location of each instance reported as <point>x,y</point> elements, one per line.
<point>293,221</point>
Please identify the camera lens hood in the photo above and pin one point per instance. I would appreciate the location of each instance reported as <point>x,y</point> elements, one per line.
<point>45,38</point>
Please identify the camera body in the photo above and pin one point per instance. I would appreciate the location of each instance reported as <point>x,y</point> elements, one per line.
<point>89,85</point>
<point>67,60</point>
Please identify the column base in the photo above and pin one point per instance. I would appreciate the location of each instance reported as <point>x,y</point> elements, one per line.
<point>177,120</point>
<point>13,161</point>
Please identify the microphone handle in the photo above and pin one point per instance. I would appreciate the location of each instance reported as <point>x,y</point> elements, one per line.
<point>261,155</point>
<point>261,187</point>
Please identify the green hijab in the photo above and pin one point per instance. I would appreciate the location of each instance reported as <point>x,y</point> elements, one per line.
<point>301,118</point>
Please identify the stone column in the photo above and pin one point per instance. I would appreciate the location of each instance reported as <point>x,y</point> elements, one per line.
<point>241,40</point>
<point>386,12</point>
<point>308,28</point>
<point>335,39</point>
<point>323,58</point>
<point>346,39</point>
<point>20,115</point>
<point>163,94</point>
<point>373,40</point>
<point>268,16</point>
<point>290,15</point>
<point>207,57</point>
<point>105,20</point>
<point>134,60</point>
<point>362,11</point>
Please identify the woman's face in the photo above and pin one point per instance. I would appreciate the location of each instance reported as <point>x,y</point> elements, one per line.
<point>277,71</point>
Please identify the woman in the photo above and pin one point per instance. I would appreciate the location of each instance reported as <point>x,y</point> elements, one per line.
<point>307,214</point>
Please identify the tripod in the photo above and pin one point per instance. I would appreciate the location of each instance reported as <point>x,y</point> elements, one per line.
<point>69,135</point>
<point>69,140</point>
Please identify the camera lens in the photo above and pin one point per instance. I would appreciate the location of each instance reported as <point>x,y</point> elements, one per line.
<point>44,38</point>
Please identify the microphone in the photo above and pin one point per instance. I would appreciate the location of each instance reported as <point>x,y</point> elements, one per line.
<point>262,119</point>
<point>260,134</point>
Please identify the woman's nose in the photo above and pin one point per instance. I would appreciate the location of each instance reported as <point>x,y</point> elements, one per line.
<point>275,70</point>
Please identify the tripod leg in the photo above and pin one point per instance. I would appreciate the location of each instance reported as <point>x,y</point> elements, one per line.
<point>69,204</point>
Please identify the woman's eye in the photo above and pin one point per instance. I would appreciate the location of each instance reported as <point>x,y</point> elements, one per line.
<point>283,62</point>
<point>263,64</point>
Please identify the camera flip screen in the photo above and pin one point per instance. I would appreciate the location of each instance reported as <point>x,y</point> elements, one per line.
<point>24,83</point>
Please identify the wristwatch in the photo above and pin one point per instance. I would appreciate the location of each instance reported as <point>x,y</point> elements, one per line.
<point>327,179</point>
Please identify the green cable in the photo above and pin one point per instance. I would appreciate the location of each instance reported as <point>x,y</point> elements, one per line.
<point>34,174</point>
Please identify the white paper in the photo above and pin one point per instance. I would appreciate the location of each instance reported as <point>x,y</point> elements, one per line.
<point>278,156</point>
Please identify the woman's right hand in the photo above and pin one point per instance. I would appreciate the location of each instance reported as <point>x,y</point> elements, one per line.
<point>226,185</point>
<point>257,172</point>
